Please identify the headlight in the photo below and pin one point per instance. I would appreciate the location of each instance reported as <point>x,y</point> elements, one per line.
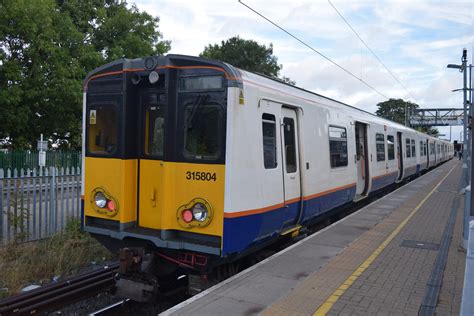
<point>100,200</point>
<point>199,212</point>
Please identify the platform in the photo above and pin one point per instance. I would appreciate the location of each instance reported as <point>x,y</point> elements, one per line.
<point>399,255</point>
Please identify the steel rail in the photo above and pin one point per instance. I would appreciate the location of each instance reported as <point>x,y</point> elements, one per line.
<point>60,294</point>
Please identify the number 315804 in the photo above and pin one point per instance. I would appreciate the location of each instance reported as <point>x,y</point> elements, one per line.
<point>201,176</point>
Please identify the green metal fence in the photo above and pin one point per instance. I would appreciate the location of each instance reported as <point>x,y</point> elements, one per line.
<point>29,159</point>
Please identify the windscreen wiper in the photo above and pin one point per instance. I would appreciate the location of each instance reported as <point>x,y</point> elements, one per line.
<point>199,101</point>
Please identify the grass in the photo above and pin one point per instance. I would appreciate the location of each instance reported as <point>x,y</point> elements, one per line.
<point>63,254</point>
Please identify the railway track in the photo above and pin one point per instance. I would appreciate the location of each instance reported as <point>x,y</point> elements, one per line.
<point>53,296</point>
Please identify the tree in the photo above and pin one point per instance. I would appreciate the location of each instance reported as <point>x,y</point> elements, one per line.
<point>46,50</point>
<point>394,110</point>
<point>248,55</point>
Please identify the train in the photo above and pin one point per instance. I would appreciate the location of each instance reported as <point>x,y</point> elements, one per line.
<point>190,163</point>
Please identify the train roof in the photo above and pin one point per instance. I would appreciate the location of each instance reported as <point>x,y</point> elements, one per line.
<point>140,64</point>
<point>379,118</point>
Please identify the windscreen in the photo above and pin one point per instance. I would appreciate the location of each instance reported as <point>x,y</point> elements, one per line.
<point>202,134</point>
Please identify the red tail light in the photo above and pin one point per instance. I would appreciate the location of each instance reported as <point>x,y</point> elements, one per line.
<point>187,216</point>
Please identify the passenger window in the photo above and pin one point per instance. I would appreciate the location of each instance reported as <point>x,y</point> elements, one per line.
<point>290,146</point>
<point>421,149</point>
<point>391,147</point>
<point>102,128</point>
<point>408,147</point>
<point>380,144</point>
<point>413,150</point>
<point>338,146</point>
<point>155,131</point>
<point>202,131</point>
<point>269,141</point>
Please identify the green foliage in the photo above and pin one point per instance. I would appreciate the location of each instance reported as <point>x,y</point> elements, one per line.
<point>63,254</point>
<point>394,110</point>
<point>248,55</point>
<point>18,214</point>
<point>46,49</point>
<point>73,229</point>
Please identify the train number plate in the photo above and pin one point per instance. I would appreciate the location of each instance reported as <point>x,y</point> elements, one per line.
<point>201,176</point>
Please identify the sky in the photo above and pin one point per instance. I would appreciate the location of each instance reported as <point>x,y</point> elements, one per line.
<point>414,39</point>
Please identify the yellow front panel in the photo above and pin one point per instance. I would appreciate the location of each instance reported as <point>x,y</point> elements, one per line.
<point>118,177</point>
<point>166,186</point>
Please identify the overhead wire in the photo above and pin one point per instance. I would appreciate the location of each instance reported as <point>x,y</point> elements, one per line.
<point>370,50</point>
<point>314,50</point>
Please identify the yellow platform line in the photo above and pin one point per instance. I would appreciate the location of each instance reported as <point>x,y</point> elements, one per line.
<point>334,297</point>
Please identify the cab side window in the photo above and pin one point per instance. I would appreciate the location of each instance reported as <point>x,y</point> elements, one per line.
<point>102,130</point>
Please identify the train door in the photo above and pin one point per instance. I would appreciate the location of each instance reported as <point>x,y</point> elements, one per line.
<point>150,166</point>
<point>427,153</point>
<point>400,155</point>
<point>362,163</point>
<point>291,169</point>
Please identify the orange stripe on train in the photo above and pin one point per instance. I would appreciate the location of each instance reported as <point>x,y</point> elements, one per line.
<point>276,206</point>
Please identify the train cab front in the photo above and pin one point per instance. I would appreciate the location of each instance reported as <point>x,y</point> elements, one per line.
<point>155,134</point>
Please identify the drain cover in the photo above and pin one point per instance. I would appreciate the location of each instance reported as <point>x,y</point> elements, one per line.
<point>419,244</point>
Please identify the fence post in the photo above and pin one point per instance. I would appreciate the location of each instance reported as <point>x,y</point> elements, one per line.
<point>53,200</point>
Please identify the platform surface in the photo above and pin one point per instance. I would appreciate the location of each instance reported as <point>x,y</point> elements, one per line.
<point>399,255</point>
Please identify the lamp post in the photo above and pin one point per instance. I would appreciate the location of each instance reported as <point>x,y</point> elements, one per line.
<point>465,152</point>
<point>462,68</point>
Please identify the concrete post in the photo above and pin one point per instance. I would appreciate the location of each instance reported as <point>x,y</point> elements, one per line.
<point>467,210</point>
<point>467,303</point>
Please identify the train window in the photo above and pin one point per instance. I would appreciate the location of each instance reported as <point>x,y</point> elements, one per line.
<point>413,149</point>
<point>290,145</point>
<point>380,144</point>
<point>432,149</point>
<point>338,146</point>
<point>201,83</point>
<point>155,131</point>
<point>102,130</point>
<point>391,147</point>
<point>269,141</point>
<point>422,148</point>
<point>202,131</point>
<point>408,148</point>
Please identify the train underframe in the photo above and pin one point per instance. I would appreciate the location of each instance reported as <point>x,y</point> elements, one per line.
<point>147,273</point>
